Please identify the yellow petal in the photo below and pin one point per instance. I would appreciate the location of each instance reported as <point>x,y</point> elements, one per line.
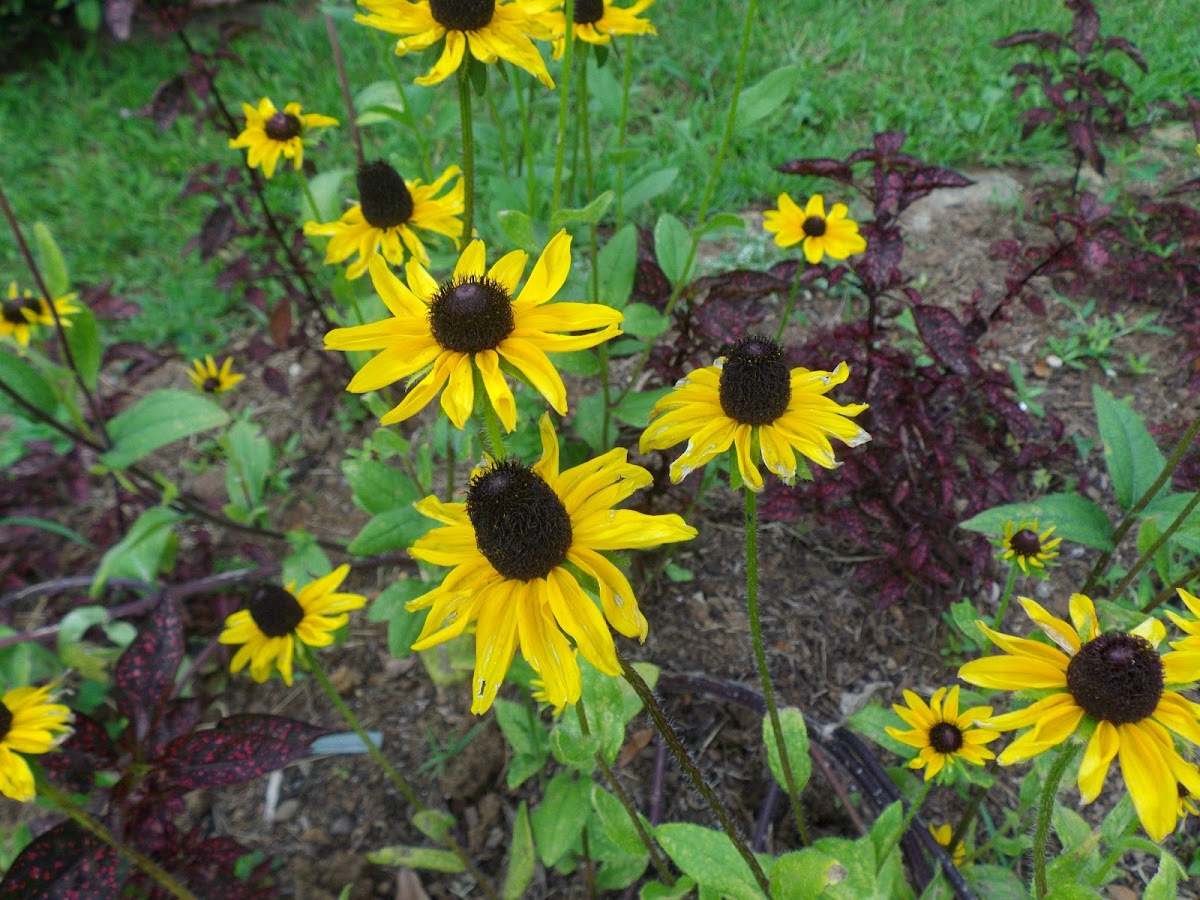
<point>1101,749</point>
<point>1149,780</point>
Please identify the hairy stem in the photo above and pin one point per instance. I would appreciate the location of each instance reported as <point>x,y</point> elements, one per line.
<point>1041,834</point>
<point>468,148</point>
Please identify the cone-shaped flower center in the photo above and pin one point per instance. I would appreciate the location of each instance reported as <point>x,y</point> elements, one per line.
<point>6,719</point>
<point>282,127</point>
<point>814,226</point>
<point>1026,543</point>
<point>1116,677</point>
<point>211,384</point>
<point>383,195</point>
<point>756,385</point>
<point>471,315</point>
<point>275,611</point>
<point>588,12</point>
<point>945,737</point>
<point>13,310</point>
<point>521,526</point>
<point>463,15</point>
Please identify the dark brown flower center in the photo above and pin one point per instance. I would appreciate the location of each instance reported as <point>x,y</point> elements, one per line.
<point>945,737</point>
<point>588,12</point>
<point>211,384</point>
<point>521,525</point>
<point>283,127</point>
<point>275,611</point>
<point>471,315</point>
<point>814,226</point>
<point>383,195</point>
<point>13,310</point>
<point>463,15</point>
<point>1026,543</point>
<point>1117,677</point>
<point>6,720</point>
<point>756,385</point>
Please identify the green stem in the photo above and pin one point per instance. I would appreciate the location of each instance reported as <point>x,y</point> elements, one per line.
<point>1153,549</point>
<point>909,815</point>
<point>1172,589</point>
<point>1041,834</point>
<point>312,204</point>
<point>622,125</point>
<point>525,108</point>
<point>760,659</point>
<point>791,301</point>
<point>417,133</point>
<point>494,428</point>
<point>451,460</point>
<point>88,822</point>
<point>679,751</point>
<point>1007,596</point>
<point>468,149</point>
<point>564,99</point>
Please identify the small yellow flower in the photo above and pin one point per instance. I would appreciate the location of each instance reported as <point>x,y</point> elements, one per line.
<point>1023,545</point>
<point>275,618</point>
<point>22,312</point>
<point>942,834</point>
<point>30,722</point>
<point>270,133</point>
<point>208,378</point>
<point>597,21</point>
<point>941,733</point>
<point>833,235</point>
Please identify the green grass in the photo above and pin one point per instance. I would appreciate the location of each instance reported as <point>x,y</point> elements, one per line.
<point>108,183</point>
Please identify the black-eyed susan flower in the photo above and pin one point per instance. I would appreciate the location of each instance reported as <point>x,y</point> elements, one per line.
<point>30,722</point>
<point>834,235</point>
<point>207,377</point>
<point>276,617</point>
<point>598,21</point>
<point>1114,684</point>
<point>388,211</point>
<point>270,134</point>
<point>519,545</point>
<point>1030,550</point>
<point>943,834</point>
<point>473,322</point>
<point>941,733</point>
<point>22,312</point>
<point>489,29</point>
<point>750,396</point>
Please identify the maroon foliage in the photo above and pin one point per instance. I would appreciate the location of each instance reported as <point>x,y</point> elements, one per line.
<point>238,749</point>
<point>145,673</point>
<point>66,862</point>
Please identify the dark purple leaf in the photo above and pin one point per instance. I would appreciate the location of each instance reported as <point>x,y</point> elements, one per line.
<point>234,273</point>
<point>726,319</point>
<point>1083,139</point>
<point>280,322</point>
<point>1035,118</point>
<point>945,338</point>
<point>1043,40</point>
<point>145,673</point>
<point>107,305</point>
<point>888,143</point>
<point>217,231</point>
<point>820,167</point>
<point>65,862</point>
<point>1085,28</point>
<point>889,189</point>
<point>87,751</point>
<point>276,381</point>
<point>170,101</point>
<point>238,749</point>
<point>879,266</point>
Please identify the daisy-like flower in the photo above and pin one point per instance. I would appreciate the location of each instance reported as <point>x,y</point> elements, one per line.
<point>941,733</point>
<point>1114,683</point>
<point>490,29</point>
<point>30,722</point>
<point>1025,546</point>
<point>750,395</point>
<point>270,133</point>
<point>833,235</point>
<point>472,322</point>
<point>275,618</point>
<point>212,380</point>
<point>510,545</point>
<point>942,834</point>
<point>22,312</point>
<point>596,21</point>
<point>388,210</point>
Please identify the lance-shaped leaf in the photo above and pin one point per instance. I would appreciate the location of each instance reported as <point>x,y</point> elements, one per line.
<point>145,673</point>
<point>66,861</point>
<point>87,751</point>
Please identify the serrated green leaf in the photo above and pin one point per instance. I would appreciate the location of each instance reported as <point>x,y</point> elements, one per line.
<point>1133,459</point>
<point>521,862</point>
<point>761,99</point>
<point>51,261</point>
<point>795,736</point>
<point>393,529</point>
<point>1076,519</point>
<point>672,245</point>
<point>417,858</point>
<point>159,419</point>
<point>710,858</point>
<point>560,817</point>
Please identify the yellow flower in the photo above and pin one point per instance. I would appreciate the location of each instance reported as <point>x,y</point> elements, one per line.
<point>1114,682</point>
<point>275,618</point>
<point>388,210</point>
<point>269,133</point>
<point>511,543</point>
<point>941,732</point>
<point>942,834</point>
<point>470,323</point>
<point>751,396</point>
<point>208,378</point>
<point>833,235</point>
<point>1023,545</point>
<point>596,21</point>
<point>490,29</point>
<point>30,722</point>
<point>22,312</point>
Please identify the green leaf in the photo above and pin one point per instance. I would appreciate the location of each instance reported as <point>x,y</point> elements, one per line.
<point>27,383</point>
<point>578,362</point>
<point>417,858</point>
<point>586,215</point>
<point>403,626</point>
<point>378,487</point>
<point>588,420</point>
<point>710,858</point>
<point>306,560</point>
<point>156,420</point>
<point>616,822</point>
<point>760,100</point>
<point>393,529</point>
<point>433,823</point>
<point>84,340</point>
<point>326,190</point>
<point>617,266</point>
<point>1070,827</point>
<point>672,246</point>
<point>885,831</point>
<point>644,321</point>
<point>720,221</point>
<point>51,262</point>
<point>560,817</point>
<point>631,703</point>
<point>521,862</point>
<point>528,738</point>
<point>646,189</point>
<point>1134,460</point>
<point>518,228</point>
<point>572,749</point>
<point>1076,519</point>
<point>995,882</point>
<point>872,721</point>
<point>379,102</point>
<point>1071,890</point>
<point>1117,823</point>
<point>795,736</point>
<point>140,553</point>
<point>801,875</point>
<point>46,525</point>
<point>656,890</point>
<point>854,877</point>
<point>1164,884</point>
<point>248,457</point>
<point>88,15</point>
<point>634,410</point>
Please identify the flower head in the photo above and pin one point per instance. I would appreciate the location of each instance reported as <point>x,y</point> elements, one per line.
<point>490,29</point>
<point>30,722</point>
<point>1115,684</point>
<point>833,235</point>
<point>22,312</point>
<point>388,211</point>
<point>941,733</point>
<point>750,394</point>
<point>208,378</point>
<point>597,21</point>
<point>1024,546</point>
<point>270,133</point>
<point>276,617</point>
<point>942,834</point>
<point>519,545</point>
<point>472,322</point>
